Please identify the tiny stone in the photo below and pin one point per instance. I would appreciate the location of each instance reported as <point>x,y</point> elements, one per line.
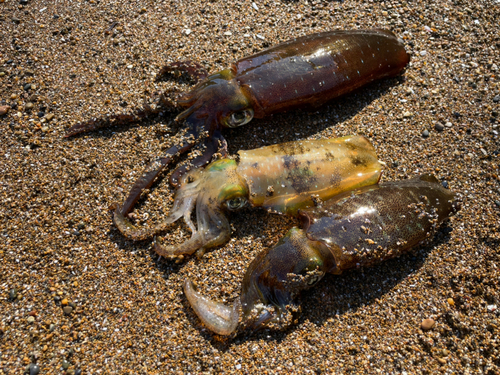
<point>497,202</point>
<point>13,294</point>
<point>45,129</point>
<point>4,109</point>
<point>29,106</point>
<point>13,96</point>
<point>428,324</point>
<point>425,134</point>
<point>451,302</point>
<point>64,302</point>
<point>2,74</point>
<point>40,114</point>
<point>423,53</point>
<point>496,99</point>
<point>439,127</point>
<point>65,364</point>
<point>49,116</point>
<point>445,184</point>
<point>448,124</point>
<point>31,319</point>
<point>67,310</point>
<point>228,33</point>
<point>407,114</point>
<point>78,371</point>
<point>441,361</point>
<point>27,86</point>
<point>34,369</point>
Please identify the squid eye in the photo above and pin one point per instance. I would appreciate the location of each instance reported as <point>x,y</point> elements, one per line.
<point>239,118</point>
<point>236,203</point>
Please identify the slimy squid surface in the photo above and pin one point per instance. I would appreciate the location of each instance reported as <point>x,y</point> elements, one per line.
<point>280,178</point>
<point>356,229</point>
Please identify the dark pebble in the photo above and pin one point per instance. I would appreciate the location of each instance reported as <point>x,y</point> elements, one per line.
<point>23,2</point>
<point>65,364</point>
<point>496,99</point>
<point>34,369</point>
<point>13,294</point>
<point>395,163</point>
<point>123,104</point>
<point>425,134</point>
<point>40,114</point>
<point>78,371</point>
<point>27,86</point>
<point>439,127</point>
<point>445,184</point>
<point>497,203</point>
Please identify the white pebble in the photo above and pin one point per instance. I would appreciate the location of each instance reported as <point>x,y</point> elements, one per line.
<point>423,53</point>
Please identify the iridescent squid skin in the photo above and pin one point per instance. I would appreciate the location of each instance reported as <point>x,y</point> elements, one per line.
<point>356,229</point>
<point>280,178</point>
<point>305,72</point>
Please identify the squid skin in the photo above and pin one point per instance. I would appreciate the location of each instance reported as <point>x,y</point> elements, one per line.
<point>356,229</point>
<point>280,178</point>
<point>304,72</point>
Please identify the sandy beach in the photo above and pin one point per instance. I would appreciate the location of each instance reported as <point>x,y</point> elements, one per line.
<point>77,297</point>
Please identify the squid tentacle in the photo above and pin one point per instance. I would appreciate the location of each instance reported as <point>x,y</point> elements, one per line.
<point>213,144</point>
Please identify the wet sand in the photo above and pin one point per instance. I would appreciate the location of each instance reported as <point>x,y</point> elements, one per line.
<point>78,297</point>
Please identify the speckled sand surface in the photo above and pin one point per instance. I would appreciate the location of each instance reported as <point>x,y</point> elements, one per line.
<point>126,312</point>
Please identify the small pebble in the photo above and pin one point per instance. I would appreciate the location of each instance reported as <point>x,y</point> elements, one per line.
<point>64,302</point>
<point>49,116</point>
<point>497,202</point>
<point>4,109</point>
<point>428,324</point>
<point>445,184</point>
<point>31,319</point>
<point>439,127</point>
<point>67,310</point>
<point>425,134</point>
<point>34,369</point>
<point>451,302</point>
<point>496,99</point>
<point>78,371</point>
<point>448,124</point>
<point>13,294</point>
<point>29,106</point>
<point>27,86</point>
<point>65,364</point>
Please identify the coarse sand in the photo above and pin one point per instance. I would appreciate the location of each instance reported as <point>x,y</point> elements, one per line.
<point>77,297</point>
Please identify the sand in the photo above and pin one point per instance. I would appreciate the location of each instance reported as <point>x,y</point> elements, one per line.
<point>77,297</point>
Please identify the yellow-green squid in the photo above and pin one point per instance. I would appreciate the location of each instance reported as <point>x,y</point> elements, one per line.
<point>281,178</point>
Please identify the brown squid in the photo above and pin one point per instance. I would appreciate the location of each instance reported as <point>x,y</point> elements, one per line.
<point>356,229</point>
<point>304,72</point>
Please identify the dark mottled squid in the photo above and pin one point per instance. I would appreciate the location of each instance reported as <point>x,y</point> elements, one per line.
<point>280,178</point>
<point>303,72</point>
<point>355,229</point>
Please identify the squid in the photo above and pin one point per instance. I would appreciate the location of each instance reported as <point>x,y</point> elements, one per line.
<point>304,72</point>
<point>359,228</point>
<point>281,178</point>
